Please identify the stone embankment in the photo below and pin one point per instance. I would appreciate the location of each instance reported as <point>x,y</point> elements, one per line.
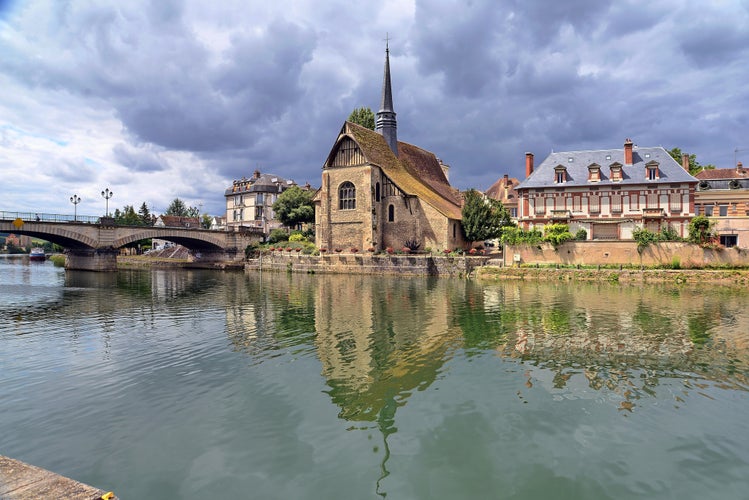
<point>737,277</point>
<point>413,265</point>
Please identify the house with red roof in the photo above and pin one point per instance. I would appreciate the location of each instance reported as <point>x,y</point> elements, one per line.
<point>723,196</point>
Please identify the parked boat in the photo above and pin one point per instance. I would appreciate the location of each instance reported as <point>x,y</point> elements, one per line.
<point>37,254</point>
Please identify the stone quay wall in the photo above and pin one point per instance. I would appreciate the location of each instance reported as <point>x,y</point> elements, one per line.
<point>413,265</point>
<point>608,253</point>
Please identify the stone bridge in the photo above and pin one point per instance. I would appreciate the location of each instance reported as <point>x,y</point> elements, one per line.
<point>94,246</point>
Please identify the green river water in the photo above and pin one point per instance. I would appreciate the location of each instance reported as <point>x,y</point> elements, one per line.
<point>206,384</point>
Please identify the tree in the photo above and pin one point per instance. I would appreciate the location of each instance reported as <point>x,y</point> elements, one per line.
<point>694,166</point>
<point>364,117</point>
<point>177,207</point>
<point>294,206</point>
<point>483,218</point>
<point>145,215</point>
<point>205,221</point>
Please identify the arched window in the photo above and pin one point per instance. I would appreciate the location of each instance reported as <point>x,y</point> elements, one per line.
<point>391,213</point>
<point>347,196</point>
<point>377,192</point>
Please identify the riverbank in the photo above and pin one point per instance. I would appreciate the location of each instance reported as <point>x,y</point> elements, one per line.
<point>738,277</point>
<point>148,262</point>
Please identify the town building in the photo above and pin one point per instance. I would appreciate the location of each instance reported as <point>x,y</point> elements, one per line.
<point>503,190</point>
<point>609,193</point>
<point>723,196</point>
<point>378,192</point>
<point>249,202</point>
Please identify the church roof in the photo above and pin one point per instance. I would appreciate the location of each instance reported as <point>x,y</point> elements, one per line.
<point>415,171</point>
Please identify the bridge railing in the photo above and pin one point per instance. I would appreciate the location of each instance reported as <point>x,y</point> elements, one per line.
<point>42,217</point>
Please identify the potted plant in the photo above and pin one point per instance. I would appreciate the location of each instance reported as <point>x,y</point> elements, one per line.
<point>354,249</point>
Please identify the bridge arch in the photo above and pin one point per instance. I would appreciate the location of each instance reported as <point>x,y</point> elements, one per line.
<point>193,239</point>
<point>61,233</point>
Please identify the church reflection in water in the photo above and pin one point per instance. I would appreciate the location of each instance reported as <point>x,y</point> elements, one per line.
<point>381,339</point>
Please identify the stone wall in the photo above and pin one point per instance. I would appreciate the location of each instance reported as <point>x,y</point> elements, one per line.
<point>420,265</point>
<point>603,253</point>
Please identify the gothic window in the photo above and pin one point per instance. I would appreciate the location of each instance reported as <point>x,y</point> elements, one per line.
<point>347,196</point>
<point>391,213</point>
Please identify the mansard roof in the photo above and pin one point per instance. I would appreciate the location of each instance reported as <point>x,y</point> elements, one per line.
<point>576,164</point>
<point>415,171</point>
<point>263,183</point>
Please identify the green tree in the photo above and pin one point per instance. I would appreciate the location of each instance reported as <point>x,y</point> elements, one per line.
<point>483,218</point>
<point>294,206</point>
<point>177,207</point>
<point>364,117</point>
<point>205,221</point>
<point>127,216</point>
<point>145,215</point>
<point>694,166</point>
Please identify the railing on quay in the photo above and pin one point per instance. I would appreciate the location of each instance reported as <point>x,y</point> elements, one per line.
<point>41,217</point>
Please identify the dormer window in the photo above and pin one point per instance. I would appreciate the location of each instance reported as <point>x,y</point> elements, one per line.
<point>560,174</point>
<point>616,172</point>
<point>651,171</point>
<point>594,172</point>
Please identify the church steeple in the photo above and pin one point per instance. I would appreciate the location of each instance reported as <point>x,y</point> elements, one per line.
<point>386,124</point>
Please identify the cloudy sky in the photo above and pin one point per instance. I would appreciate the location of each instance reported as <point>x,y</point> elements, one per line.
<point>176,98</point>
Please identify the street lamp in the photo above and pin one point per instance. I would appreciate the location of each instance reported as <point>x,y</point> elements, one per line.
<point>75,200</point>
<point>106,194</point>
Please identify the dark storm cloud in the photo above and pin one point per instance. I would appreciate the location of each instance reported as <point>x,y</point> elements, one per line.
<point>139,160</point>
<point>214,91</point>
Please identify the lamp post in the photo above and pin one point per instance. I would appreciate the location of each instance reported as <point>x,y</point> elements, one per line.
<point>106,194</point>
<point>75,200</point>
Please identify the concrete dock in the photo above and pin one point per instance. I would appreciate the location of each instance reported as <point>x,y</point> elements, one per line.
<point>21,481</point>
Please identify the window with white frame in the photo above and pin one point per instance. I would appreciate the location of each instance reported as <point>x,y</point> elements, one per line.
<point>674,203</point>
<point>616,203</point>
<point>594,204</point>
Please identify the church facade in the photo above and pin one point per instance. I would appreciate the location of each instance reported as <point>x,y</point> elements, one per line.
<point>379,193</point>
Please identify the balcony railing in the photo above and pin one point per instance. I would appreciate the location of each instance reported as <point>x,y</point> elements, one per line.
<point>560,214</point>
<point>652,213</point>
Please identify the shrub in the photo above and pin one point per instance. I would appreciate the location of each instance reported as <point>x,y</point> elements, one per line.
<point>644,237</point>
<point>581,234</point>
<point>556,234</point>
<point>668,233</point>
<point>700,230</point>
<point>278,235</point>
<point>297,236</point>
<point>515,236</point>
<point>250,250</point>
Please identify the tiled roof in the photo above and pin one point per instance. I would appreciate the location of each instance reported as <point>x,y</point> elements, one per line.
<point>723,173</point>
<point>497,190</point>
<point>416,171</point>
<point>576,163</point>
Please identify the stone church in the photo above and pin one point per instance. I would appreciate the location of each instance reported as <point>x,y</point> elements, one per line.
<point>378,192</point>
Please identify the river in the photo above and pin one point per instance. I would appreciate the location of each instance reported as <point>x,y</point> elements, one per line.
<point>206,384</point>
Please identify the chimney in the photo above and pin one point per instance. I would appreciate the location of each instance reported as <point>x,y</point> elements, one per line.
<point>685,161</point>
<point>528,164</point>
<point>740,168</point>
<point>506,183</point>
<point>628,152</point>
<point>256,174</point>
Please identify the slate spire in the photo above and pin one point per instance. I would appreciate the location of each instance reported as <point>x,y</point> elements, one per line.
<point>386,124</point>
